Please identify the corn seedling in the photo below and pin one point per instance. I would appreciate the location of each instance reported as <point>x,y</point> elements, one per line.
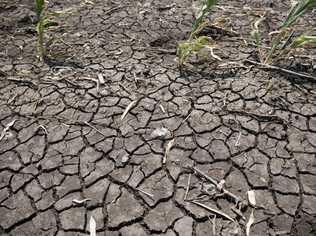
<point>281,42</point>
<point>256,36</point>
<point>207,5</point>
<point>195,44</point>
<point>187,48</point>
<point>43,23</point>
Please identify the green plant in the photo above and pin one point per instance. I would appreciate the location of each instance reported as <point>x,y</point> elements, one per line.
<point>186,48</point>
<point>207,5</point>
<point>195,44</point>
<point>281,42</point>
<point>44,22</point>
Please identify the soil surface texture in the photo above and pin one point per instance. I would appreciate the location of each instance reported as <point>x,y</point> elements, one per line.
<point>150,150</point>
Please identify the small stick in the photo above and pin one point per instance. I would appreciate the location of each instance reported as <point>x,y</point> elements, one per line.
<point>238,138</point>
<point>214,225</point>
<point>127,109</point>
<point>186,118</point>
<point>147,194</point>
<point>94,128</point>
<point>188,187</point>
<point>218,212</point>
<point>305,76</point>
<point>81,201</point>
<point>162,108</point>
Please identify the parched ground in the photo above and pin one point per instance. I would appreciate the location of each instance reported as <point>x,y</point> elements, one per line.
<point>255,129</point>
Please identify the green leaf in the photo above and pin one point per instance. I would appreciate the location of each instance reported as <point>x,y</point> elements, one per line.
<point>40,27</point>
<point>48,23</point>
<point>255,33</point>
<point>185,49</point>
<point>303,40</point>
<point>206,7</point>
<point>39,7</point>
<point>298,10</point>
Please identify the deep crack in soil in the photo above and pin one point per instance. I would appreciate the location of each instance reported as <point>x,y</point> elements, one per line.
<point>253,128</point>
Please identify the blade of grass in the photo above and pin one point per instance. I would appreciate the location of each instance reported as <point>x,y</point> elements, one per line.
<point>206,7</point>
<point>303,40</point>
<point>298,10</point>
<point>39,7</point>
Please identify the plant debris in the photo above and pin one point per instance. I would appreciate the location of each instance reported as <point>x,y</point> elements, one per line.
<point>218,212</point>
<point>251,198</point>
<point>168,148</point>
<point>92,225</point>
<point>250,222</point>
<point>128,108</point>
<point>6,128</point>
<point>218,186</point>
<point>81,201</point>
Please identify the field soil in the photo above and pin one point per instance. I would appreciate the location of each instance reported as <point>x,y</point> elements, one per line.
<point>154,150</point>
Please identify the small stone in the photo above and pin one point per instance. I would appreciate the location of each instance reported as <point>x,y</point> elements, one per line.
<point>125,158</point>
<point>160,133</point>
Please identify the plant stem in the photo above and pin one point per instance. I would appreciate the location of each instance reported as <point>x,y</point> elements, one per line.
<point>275,45</point>
<point>40,47</point>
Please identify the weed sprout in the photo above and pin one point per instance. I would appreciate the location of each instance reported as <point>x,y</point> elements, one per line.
<point>283,42</point>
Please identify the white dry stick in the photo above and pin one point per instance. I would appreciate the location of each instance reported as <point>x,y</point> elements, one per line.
<point>252,198</point>
<point>5,130</point>
<point>238,138</point>
<point>147,194</point>
<point>81,201</point>
<point>92,127</point>
<point>213,54</point>
<point>92,225</point>
<point>186,118</point>
<point>162,108</point>
<point>250,222</point>
<point>168,148</point>
<point>188,188</point>
<point>128,108</point>
<point>218,212</point>
<point>214,225</point>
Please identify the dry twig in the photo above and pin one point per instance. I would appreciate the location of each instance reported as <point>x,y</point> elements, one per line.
<point>92,127</point>
<point>218,212</point>
<point>188,187</point>
<point>293,73</point>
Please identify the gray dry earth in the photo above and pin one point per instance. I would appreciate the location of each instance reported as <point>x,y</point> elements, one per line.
<point>255,129</point>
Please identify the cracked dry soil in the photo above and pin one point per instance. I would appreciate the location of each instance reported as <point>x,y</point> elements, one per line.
<point>255,129</point>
